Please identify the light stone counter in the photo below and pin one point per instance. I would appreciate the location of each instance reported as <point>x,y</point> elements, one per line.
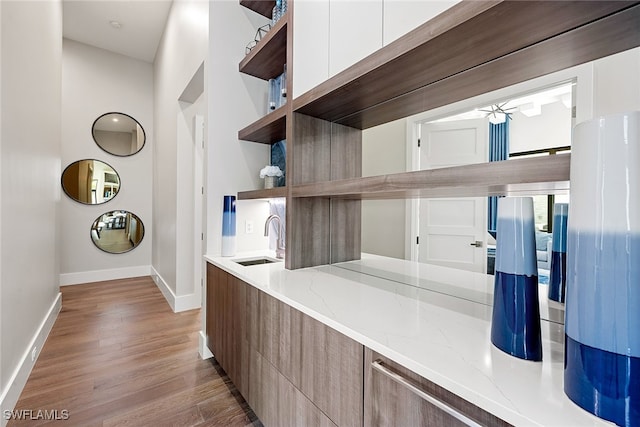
<point>445,339</point>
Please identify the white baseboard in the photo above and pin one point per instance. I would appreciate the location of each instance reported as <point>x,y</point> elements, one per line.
<point>16,383</point>
<point>177,303</point>
<point>203,350</point>
<point>102,275</point>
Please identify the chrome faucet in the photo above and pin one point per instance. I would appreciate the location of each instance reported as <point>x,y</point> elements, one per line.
<point>280,243</point>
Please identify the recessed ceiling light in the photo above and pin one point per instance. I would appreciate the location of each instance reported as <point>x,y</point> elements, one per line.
<point>115,119</point>
<point>115,24</point>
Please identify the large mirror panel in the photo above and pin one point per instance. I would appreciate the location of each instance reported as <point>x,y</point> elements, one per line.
<point>118,134</point>
<point>90,181</point>
<point>117,231</point>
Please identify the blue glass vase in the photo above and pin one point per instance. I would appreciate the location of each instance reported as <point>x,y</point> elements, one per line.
<point>229,226</point>
<point>558,273</point>
<point>602,307</point>
<point>515,325</point>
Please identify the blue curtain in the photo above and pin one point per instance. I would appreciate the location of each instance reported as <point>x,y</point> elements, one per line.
<point>498,150</point>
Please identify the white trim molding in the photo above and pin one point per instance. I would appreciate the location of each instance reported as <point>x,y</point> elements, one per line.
<point>16,383</point>
<point>203,350</point>
<point>102,275</point>
<point>178,303</point>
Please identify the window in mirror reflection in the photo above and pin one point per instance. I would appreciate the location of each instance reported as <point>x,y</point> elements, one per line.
<point>117,232</point>
<point>118,134</point>
<point>90,181</point>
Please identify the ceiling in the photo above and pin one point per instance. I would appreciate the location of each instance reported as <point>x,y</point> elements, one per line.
<point>141,24</point>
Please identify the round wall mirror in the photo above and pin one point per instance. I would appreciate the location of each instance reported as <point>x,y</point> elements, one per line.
<point>117,232</point>
<point>118,134</point>
<point>91,182</point>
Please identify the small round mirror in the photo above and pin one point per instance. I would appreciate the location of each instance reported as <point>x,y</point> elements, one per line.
<point>117,232</point>
<point>118,134</point>
<point>91,182</point>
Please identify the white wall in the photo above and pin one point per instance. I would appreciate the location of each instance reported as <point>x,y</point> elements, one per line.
<point>31,35</point>
<point>552,128</point>
<point>383,221</point>
<point>181,52</point>
<point>94,82</point>
<point>616,85</point>
<point>235,100</point>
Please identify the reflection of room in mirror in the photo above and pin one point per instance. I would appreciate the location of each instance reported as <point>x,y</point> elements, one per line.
<point>118,134</point>
<point>90,181</point>
<point>117,232</point>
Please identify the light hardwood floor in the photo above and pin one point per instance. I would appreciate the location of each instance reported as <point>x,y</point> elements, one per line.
<point>118,356</point>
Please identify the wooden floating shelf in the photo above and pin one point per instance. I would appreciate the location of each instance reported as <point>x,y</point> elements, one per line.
<point>268,193</point>
<point>463,52</point>
<point>263,7</point>
<point>267,59</point>
<point>268,129</point>
<point>528,176</point>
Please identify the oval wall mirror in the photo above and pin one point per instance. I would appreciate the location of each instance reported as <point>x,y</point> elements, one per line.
<point>90,181</point>
<point>117,232</point>
<point>118,134</point>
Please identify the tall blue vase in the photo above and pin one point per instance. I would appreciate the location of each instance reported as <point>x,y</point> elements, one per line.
<point>602,308</point>
<point>558,273</point>
<point>229,226</point>
<point>515,326</point>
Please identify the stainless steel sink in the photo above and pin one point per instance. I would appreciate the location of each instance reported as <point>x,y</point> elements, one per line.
<point>255,261</point>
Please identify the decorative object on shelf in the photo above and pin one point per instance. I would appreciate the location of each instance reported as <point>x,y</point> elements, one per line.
<point>90,182</point>
<point>515,326</point>
<point>260,33</point>
<point>279,158</point>
<point>558,273</point>
<point>277,92</point>
<point>602,317</point>
<point>277,13</point>
<point>117,232</point>
<point>270,174</point>
<point>118,134</point>
<point>229,226</point>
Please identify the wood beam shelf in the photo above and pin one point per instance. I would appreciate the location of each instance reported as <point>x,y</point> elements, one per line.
<point>268,129</point>
<point>267,193</point>
<point>536,175</point>
<point>263,7</point>
<point>464,52</point>
<point>267,59</point>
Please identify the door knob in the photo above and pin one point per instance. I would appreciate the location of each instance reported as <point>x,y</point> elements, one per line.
<point>477,244</point>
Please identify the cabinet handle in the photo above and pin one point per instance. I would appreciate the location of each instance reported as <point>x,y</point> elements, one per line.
<point>379,366</point>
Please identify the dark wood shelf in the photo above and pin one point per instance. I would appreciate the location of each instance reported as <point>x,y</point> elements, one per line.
<point>268,193</point>
<point>463,52</point>
<point>267,59</point>
<point>536,175</point>
<point>268,129</point>
<point>263,7</point>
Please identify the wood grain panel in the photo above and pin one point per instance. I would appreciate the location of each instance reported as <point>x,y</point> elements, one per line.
<point>388,403</point>
<point>263,7</point>
<point>265,193</point>
<point>308,232</point>
<point>118,355</point>
<point>463,37</point>
<point>605,37</point>
<point>267,59</point>
<point>277,402</point>
<point>482,179</point>
<point>346,215</point>
<point>268,129</point>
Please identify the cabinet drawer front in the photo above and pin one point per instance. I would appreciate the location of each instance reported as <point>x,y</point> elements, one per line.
<point>395,396</point>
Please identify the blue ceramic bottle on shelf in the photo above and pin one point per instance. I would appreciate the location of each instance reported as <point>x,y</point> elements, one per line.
<point>515,326</point>
<point>558,273</point>
<point>602,306</point>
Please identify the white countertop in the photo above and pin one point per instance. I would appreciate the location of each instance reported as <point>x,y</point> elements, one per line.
<point>445,339</point>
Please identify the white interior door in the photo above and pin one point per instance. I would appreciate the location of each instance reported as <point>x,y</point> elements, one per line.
<point>452,231</point>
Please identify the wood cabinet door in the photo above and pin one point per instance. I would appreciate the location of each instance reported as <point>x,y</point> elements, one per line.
<point>395,396</point>
<point>226,321</point>
<point>323,364</point>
